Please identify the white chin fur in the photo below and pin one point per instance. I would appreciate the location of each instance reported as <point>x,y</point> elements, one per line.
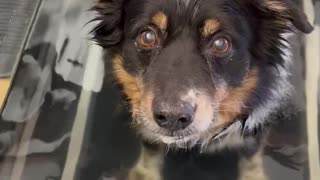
<point>186,142</point>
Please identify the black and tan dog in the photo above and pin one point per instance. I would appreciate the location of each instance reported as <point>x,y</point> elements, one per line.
<point>200,74</point>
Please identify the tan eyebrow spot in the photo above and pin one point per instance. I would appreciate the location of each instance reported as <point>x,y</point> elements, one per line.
<point>160,20</point>
<point>275,5</point>
<point>210,27</point>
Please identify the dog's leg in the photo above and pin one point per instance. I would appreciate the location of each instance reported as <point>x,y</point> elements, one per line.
<point>252,168</point>
<point>148,166</point>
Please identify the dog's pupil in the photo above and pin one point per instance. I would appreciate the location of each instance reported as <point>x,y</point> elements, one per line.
<point>149,37</point>
<point>220,44</point>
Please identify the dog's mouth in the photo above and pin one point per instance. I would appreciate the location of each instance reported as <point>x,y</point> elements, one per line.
<point>184,142</point>
<point>182,139</point>
<point>188,139</point>
<point>185,139</point>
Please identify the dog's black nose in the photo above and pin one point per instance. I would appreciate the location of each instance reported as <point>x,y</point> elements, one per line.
<point>173,118</point>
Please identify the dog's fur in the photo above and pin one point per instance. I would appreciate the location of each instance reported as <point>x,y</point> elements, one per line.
<point>232,95</point>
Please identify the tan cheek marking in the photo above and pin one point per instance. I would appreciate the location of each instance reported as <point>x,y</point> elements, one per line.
<point>210,27</point>
<point>233,103</point>
<point>131,84</point>
<point>160,20</point>
<point>146,105</point>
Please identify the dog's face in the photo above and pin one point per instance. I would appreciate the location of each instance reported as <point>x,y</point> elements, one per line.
<point>190,68</point>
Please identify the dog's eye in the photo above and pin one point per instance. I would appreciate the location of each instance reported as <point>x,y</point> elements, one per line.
<point>147,38</point>
<point>221,46</point>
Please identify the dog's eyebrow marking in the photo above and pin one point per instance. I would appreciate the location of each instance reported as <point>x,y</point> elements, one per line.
<point>275,5</point>
<point>160,20</point>
<point>210,26</point>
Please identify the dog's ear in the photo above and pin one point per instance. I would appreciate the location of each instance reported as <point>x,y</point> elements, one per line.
<point>284,11</point>
<point>108,32</point>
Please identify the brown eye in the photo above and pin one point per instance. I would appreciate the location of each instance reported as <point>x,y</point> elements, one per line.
<point>147,39</point>
<point>221,46</point>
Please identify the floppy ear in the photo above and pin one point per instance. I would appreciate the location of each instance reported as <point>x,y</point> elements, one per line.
<point>108,32</point>
<point>286,10</point>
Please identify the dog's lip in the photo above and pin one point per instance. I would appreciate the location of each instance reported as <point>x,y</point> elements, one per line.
<point>187,142</point>
<point>179,140</point>
<point>169,138</point>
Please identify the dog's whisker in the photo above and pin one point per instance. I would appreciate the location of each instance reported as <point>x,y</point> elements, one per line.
<point>167,149</point>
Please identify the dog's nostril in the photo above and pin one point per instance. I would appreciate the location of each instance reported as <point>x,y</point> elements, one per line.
<point>161,120</point>
<point>183,120</point>
<point>160,117</point>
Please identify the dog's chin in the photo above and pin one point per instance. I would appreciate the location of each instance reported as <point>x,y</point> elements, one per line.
<point>180,142</point>
<point>183,142</point>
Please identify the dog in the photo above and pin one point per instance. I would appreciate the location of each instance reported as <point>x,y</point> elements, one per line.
<point>200,74</point>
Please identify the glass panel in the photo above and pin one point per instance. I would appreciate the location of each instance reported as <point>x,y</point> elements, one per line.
<point>65,118</point>
<point>16,19</point>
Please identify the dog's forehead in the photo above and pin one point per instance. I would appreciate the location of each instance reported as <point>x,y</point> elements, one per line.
<point>189,2</point>
<point>185,2</point>
<point>178,12</point>
<point>177,6</point>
